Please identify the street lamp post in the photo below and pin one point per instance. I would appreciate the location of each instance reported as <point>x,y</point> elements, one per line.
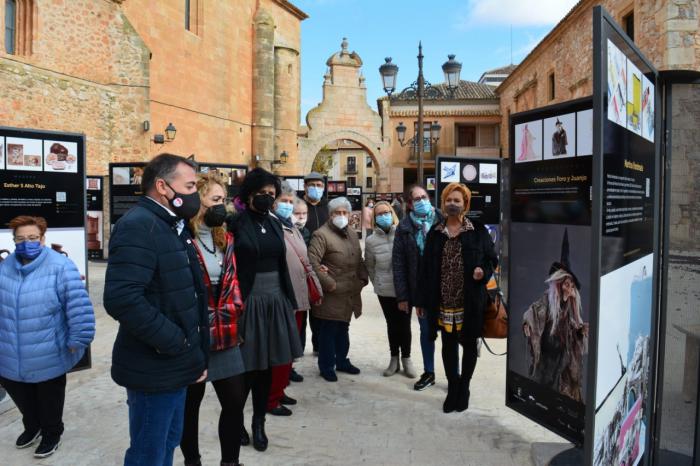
<point>419,89</point>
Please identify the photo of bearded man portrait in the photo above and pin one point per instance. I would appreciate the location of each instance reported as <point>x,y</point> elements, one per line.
<point>555,333</point>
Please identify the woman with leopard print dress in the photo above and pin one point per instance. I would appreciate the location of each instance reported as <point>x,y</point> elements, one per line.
<point>458,261</point>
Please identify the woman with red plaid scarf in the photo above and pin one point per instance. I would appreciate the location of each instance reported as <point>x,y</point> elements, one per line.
<point>214,247</point>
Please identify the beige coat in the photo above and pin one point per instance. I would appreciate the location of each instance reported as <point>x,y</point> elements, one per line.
<point>340,252</point>
<point>298,264</point>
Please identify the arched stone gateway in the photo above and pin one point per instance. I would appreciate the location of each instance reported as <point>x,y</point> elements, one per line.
<point>345,114</point>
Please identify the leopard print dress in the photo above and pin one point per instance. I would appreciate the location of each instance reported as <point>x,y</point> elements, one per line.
<point>452,280</point>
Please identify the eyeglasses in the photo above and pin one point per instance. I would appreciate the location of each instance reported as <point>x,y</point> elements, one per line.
<point>420,198</point>
<point>22,239</point>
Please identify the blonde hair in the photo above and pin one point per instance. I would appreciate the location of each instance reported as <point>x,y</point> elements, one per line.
<point>395,218</point>
<point>450,188</point>
<point>205,181</point>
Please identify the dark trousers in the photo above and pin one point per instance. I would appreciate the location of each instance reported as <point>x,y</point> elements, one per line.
<point>41,404</point>
<point>333,345</point>
<point>314,325</point>
<point>155,426</point>
<point>231,393</point>
<point>258,383</point>
<point>301,317</point>
<point>398,327</point>
<point>450,355</point>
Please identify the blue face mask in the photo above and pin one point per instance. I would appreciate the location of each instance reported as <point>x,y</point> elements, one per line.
<point>422,207</point>
<point>28,249</point>
<point>384,221</point>
<point>284,210</point>
<point>314,192</point>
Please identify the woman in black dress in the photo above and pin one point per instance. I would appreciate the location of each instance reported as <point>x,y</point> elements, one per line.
<point>267,327</point>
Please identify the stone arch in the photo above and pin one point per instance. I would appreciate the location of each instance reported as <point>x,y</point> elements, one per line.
<point>309,148</point>
<point>345,114</point>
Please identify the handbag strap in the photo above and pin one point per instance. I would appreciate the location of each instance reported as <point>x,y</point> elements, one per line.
<point>307,267</point>
<point>490,350</point>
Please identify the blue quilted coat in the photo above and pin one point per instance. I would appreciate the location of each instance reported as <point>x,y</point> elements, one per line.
<point>45,312</point>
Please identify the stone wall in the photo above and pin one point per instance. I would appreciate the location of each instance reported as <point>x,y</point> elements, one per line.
<point>94,80</point>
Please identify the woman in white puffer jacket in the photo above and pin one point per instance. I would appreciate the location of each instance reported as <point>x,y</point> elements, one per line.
<point>378,253</point>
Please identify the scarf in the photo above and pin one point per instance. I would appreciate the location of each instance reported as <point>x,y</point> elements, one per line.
<point>423,225</point>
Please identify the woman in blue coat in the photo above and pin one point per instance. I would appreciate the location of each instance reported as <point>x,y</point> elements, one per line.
<point>46,322</point>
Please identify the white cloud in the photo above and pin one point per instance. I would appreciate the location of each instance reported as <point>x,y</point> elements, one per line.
<point>516,12</point>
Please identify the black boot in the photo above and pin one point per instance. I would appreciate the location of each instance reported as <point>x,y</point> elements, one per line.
<point>259,437</point>
<point>450,403</point>
<point>463,394</point>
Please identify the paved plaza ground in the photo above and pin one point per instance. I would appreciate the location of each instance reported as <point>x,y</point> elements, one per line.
<point>364,419</point>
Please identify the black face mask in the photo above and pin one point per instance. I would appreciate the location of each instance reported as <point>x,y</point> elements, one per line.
<point>185,206</point>
<point>263,202</point>
<point>215,216</point>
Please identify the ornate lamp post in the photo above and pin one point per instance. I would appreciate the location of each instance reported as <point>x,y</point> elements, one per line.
<point>419,89</point>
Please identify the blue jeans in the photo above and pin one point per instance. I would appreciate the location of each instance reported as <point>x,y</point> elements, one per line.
<point>155,426</point>
<point>427,346</point>
<point>333,345</point>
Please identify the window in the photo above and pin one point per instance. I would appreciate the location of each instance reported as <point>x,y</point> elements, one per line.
<point>488,136</point>
<point>351,164</point>
<point>466,136</point>
<point>426,135</point>
<point>551,82</point>
<point>628,24</point>
<point>19,26</point>
<point>192,16</point>
<point>352,181</point>
<point>369,162</point>
<point>10,17</point>
<point>369,182</point>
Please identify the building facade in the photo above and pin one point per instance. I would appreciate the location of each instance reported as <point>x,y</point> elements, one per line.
<point>225,74</point>
<point>470,125</point>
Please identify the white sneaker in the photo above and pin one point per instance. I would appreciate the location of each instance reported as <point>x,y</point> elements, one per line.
<point>393,367</point>
<point>408,369</point>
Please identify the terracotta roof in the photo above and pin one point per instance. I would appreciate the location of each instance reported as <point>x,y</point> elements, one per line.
<point>441,113</point>
<point>467,90</point>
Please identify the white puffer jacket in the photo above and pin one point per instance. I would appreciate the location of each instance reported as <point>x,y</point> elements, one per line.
<point>378,251</point>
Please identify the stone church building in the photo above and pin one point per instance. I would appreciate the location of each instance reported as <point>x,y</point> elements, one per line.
<point>225,74</point>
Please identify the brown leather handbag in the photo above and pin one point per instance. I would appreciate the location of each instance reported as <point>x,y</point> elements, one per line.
<point>495,316</point>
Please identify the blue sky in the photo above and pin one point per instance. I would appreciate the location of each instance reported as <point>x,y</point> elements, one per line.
<point>477,31</point>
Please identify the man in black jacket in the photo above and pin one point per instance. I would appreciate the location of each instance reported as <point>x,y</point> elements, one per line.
<point>317,217</point>
<point>154,288</point>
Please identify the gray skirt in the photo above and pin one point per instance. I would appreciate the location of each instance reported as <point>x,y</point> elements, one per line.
<point>267,326</point>
<point>224,364</point>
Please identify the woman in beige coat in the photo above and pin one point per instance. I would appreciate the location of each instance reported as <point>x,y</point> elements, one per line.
<point>336,257</point>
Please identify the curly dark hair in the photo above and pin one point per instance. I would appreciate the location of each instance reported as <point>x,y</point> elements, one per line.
<point>255,180</point>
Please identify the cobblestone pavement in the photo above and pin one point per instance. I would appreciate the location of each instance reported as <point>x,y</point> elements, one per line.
<point>364,419</point>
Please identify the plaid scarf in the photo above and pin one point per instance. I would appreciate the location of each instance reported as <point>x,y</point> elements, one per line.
<point>224,314</point>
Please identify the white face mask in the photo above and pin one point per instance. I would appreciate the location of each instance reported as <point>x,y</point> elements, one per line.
<point>340,221</point>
